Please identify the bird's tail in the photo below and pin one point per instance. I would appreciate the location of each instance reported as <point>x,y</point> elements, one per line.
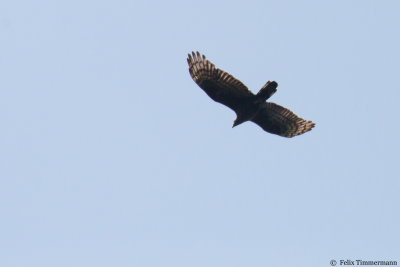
<point>267,90</point>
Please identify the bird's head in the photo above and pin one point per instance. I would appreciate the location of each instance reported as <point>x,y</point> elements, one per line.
<point>237,122</point>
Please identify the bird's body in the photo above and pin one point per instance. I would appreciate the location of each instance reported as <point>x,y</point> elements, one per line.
<point>225,89</point>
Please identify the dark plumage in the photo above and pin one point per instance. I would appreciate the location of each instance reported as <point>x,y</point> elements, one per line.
<point>225,89</point>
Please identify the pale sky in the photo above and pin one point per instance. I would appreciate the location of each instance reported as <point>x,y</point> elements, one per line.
<point>110,154</point>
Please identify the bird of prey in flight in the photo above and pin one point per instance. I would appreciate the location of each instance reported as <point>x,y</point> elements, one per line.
<point>222,87</point>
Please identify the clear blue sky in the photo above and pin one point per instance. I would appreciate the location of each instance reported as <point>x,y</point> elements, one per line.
<point>110,155</point>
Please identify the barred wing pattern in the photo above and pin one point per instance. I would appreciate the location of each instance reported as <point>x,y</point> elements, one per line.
<point>218,84</point>
<point>281,121</point>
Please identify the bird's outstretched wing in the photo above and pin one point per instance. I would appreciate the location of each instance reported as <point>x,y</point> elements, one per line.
<point>281,121</point>
<point>218,84</point>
